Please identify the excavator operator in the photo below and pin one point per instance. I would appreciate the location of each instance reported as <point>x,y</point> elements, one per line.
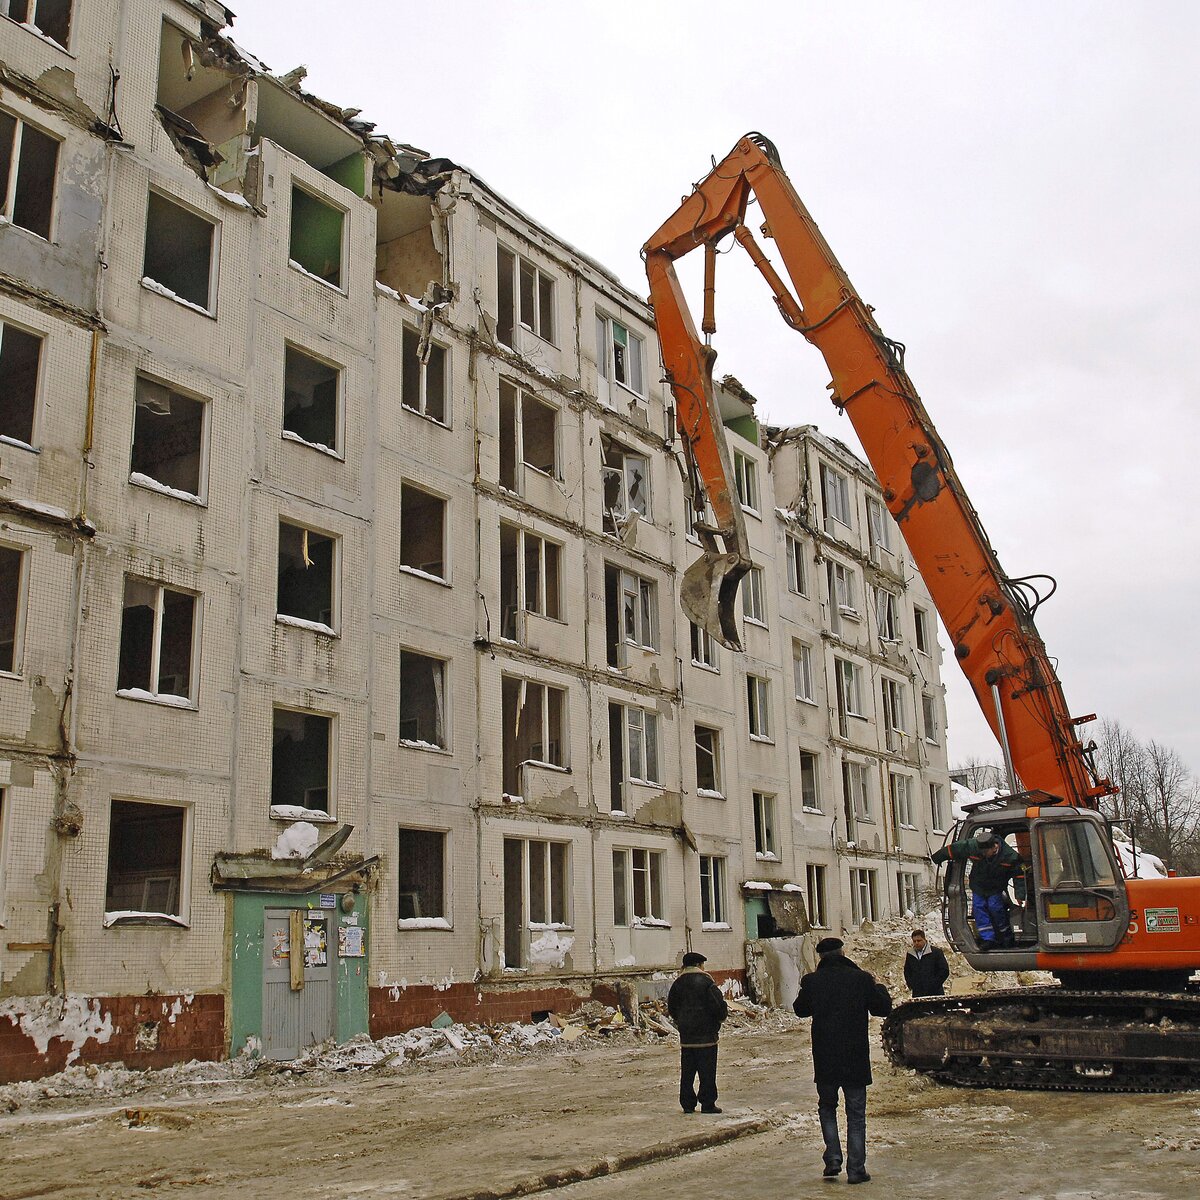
<point>994,864</point>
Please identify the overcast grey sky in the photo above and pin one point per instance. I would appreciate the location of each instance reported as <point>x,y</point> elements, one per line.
<point>1015,188</point>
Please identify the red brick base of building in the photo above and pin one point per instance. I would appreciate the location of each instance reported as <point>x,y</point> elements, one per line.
<point>139,1031</point>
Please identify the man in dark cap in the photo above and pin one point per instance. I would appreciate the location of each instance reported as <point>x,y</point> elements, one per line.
<point>697,1008</point>
<point>993,864</point>
<point>838,995</point>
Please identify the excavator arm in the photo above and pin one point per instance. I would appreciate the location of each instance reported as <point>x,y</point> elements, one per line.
<point>988,615</point>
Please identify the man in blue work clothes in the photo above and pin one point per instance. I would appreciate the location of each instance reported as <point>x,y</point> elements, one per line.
<point>993,864</point>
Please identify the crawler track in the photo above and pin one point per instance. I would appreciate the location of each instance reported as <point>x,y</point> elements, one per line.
<point>1051,1038</point>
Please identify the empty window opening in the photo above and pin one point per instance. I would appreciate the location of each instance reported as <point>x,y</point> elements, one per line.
<point>20,363</point>
<point>810,787</point>
<point>533,717</point>
<point>745,476</point>
<point>423,376</point>
<point>422,700</point>
<point>765,843</point>
<point>49,17</point>
<point>536,892</point>
<point>708,760</point>
<point>758,707</point>
<point>619,354</point>
<point>28,167</point>
<point>158,630</point>
<point>814,891</point>
<point>179,252</point>
<point>903,809</point>
<point>145,858</point>
<point>528,435</point>
<point>638,887</point>
<point>300,761</point>
<point>169,435</point>
<point>311,400</point>
<point>307,576</point>
<point>863,902</point>
<point>633,750</point>
<point>704,648</point>
<point>530,578</point>
<point>316,238</point>
<point>797,571</point>
<point>422,532</point>
<point>524,293</point>
<point>421,874</point>
<point>12,608</point>
<point>712,890</point>
<point>626,484</point>
<point>879,527</point>
<point>929,717</point>
<point>924,640</point>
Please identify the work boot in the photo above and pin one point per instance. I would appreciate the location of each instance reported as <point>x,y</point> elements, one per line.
<point>863,1178</point>
<point>710,1108</point>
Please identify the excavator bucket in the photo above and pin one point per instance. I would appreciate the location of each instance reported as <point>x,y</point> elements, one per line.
<point>707,594</point>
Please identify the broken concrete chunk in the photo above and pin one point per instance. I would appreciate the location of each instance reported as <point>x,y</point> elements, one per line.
<point>442,1021</point>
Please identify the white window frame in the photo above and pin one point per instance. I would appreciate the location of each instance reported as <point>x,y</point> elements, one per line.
<point>895,712</point>
<point>802,672</point>
<point>850,676</point>
<point>938,809</point>
<point>903,807</point>
<point>754,607</point>
<point>520,462</point>
<point>908,893</point>
<point>31,20</point>
<point>8,200</point>
<point>541,279</point>
<point>815,876</point>
<point>644,878</point>
<point>622,474</point>
<point>922,625</point>
<point>35,422</point>
<point>540,602</point>
<point>640,733</point>
<point>843,592</point>
<point>766,836</point>
<point>172,699</point>
<point>810,796</point>
<point>887,614</point>
<point>745,477</point>
<point>856,779</point>
<point>607,340</point>
<point>19,619</point>
<point>835,493</point>
<point>704,649</point>
<point>717,791</point>
<point>796,568</point>
<point>184,916</point>
<point>712,892</point>
<point>758,707</point>
<point>638,599</point>
<point>929,717</point>
<point>864,895</point>
<point>879,532</point>
<point>525,686</point>
<point>422,400</point>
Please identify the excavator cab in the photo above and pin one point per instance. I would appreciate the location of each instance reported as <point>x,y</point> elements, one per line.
<point>1068,896</point>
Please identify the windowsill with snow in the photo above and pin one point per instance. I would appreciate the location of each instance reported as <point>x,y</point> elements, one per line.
<point>29,27</point>
<point>416,412</point>
<point>152,285</point>
<point>20,445</point>
<point>807,700</point>
<point>419,574</point>
<point>301,623</point>
<point>153,485</point>
<point>770,856</point>
<point>295,812</point>
<point>417,744</point>
<point>162,698</point>
<point>426,923</point>
<point>333,287</point>
<point>133,918</point>
<point>710,793</point>
<point>808,808</point>
<point>649,923</point>
<point>715,926</point>
<point>759,737</point>
<point>703,666</point>
<point>542,926</point>
<point>288,436</point>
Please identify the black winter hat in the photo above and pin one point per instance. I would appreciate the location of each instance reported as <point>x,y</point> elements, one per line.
<point>692,959</point>
<point>829,945</point>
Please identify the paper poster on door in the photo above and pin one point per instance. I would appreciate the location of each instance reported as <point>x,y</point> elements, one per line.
<point>316,950</point>
<point>280,950</point>
<point>350,941</point>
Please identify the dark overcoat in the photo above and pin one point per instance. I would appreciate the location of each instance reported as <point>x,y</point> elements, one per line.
<point>697,1008</point>
<point>838,995</point>
<point>927,975</point>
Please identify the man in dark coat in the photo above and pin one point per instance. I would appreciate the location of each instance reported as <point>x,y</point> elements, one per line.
<point>697,1008</point>
<point>838,995</point>
<point>925,967</point>
<point>993,864</point>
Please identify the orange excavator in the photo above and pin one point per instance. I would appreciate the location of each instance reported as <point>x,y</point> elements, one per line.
<point>1124,1014</point>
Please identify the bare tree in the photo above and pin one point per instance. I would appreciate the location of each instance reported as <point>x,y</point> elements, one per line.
<point>978,775</point>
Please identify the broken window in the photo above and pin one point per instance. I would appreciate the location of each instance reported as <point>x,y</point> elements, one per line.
<point>835,490</point>
<point>626,484</point>
<point>311,400</point>
<point>810,791</point>
<point>938,811</point>
<point>712,889</point>
<point>525,293</point>
<point>528,435</point>
<point>529,578</point>
<point>887,615</point>
<point>879,526</point>
<point>758,707</point>
<point>28,167</point>
<point>842,591</point>
<point>12,608</point>
<point>704,647</point>
<point>638,887</point>
<point>169,439</point>
<point>895,715</point>
<point>423,376</point>
<point>301,748</point>
<point>20,363</point>
<point>924,638</point>
<point>848,677</point>
<point>145,859</point>
<point>765,845</point>
<point>179,253</point>
<point>802,670</point>
<point>316,237</point>
<point>422,532</point>
<point>708,760</point>
<point>632,751</point>
<point>745,476</point>
<point>929,717</point>
<point>52,18</point>
<point>631,613</point>
<point>753,603</point>
<point>533,720</point>
<point>856,795</point>
<point>814,891</point>
<point>619,354</point>
<point>797,574</point>
<point>158,633</point>
<point>903,810</point>
<point>862,896</point>
<point>422,700</point>
<point>908,888</point>
<point>536,892</point>
<point>421,874</point>
<point>307,582</point>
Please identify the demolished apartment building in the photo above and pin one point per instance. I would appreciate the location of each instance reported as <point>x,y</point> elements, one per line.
<point>341,521</point>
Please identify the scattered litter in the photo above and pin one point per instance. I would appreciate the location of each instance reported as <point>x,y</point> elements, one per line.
<point>442,1021</point>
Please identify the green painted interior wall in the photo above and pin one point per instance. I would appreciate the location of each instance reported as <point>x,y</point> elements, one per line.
<point>755,907</point>
<point>350,172</point>
<point>746,427</point>
<point>247,980</point>
<point>317,236</point>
